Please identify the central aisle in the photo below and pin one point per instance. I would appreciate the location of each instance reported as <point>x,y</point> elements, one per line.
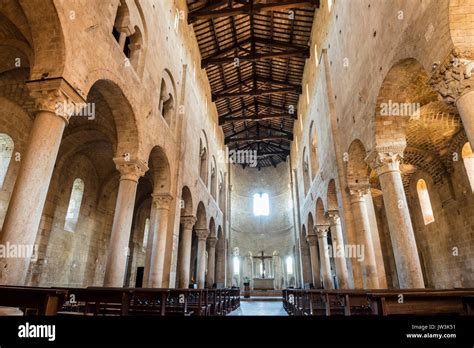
<point>260,308</point>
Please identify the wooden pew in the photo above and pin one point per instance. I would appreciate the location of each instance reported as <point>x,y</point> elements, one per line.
<point>379,302</point>
<point>97,301</point>
<point>32,301</point>
<point>423,302</point>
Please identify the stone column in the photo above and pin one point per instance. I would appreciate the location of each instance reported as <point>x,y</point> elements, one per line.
<point>211,265</point>
<point>362,222</point>
<point>322,233</point>
<point>454,80</point>
<point>37,164</point>
<point>130,172</point>
<point>185,250</point>
<point>386,162</point>
<point>159,229</point>
<point>313,252</point>
<point>202,235</point>
<point>338,249</point>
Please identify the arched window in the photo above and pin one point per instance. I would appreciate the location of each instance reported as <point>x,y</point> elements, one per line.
<point>425,202</point>
<point>236,264</point>
<point>203,159</point>
<point>289,265</point>
<point>221,192</point>
<point>468,158</point>
<point>72,215</point>
<point>261,206</point>
<point>314,150</point>
<point>129,37</point>
<point>6,152</point>
<point>306,179</point>
<point>167,99</point>
<point>213,178</point>
<point>146,231</point>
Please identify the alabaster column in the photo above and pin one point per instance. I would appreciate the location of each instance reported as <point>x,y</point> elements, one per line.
<point>387,164</point>
<point>37,164</point>
<point>338,249</point>
<point>322,233</point>
<point>130,171</point>
<point>211,264</point>
<point>185,250</point>
<point>362,222</point>
<point>159,229</point>
<point>454,81</point>
<point>313,252</point>
<point>202,235</point>
<point>465,105</point>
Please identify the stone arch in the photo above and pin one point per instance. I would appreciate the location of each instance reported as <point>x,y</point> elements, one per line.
<point>168,97</point>
<point>128,141</point>
<point>306,171</point>
<point>332,196</point>
<point>16,50</point>
<point>357,169</point>
<point>201,216</point>
<point>310,223</point>
<point>461,23</point>
<point>7,146</point>
<point>186,202</point>
<point>304,233</point>
<point>159,170</point>
<point>47,39</point>
<point>212,227</point>
<point>403,92</point>
<point>321,218</point>
<point>313,153</point>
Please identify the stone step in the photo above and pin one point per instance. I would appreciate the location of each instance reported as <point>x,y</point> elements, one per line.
<point>266,293</point>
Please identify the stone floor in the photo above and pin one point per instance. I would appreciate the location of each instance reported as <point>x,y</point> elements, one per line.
<point>260,308</point>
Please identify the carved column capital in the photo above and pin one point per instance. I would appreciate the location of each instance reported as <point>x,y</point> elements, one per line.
<point>188,222</point>
<point>321,231</point>
<point>130,169</point>
<point>454,77</point>
<point>212,241</point>
<point>202,233</point>
<point>312,239</point>
<point>57,96</point>
<point>386,159</point>
<point>162,200</point>
<point>357,194</point>
<point>334,217</point>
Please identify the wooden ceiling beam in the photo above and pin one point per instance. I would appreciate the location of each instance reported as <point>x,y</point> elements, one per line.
<point>259,138</point>
<point>258,57</point>
<point>224,120</point>
<point>297,89</point>
<point>282,5</point>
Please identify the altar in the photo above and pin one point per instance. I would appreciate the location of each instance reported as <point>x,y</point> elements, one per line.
<point>263,283</point>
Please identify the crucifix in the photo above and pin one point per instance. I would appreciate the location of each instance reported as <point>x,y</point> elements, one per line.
<point>262,257</point>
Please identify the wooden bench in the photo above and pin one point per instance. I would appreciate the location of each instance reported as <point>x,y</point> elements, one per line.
<point>378,302</point>
<point>32,301</point>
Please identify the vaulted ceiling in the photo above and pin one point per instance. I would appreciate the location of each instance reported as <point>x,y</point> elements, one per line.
<point>254,52</point>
